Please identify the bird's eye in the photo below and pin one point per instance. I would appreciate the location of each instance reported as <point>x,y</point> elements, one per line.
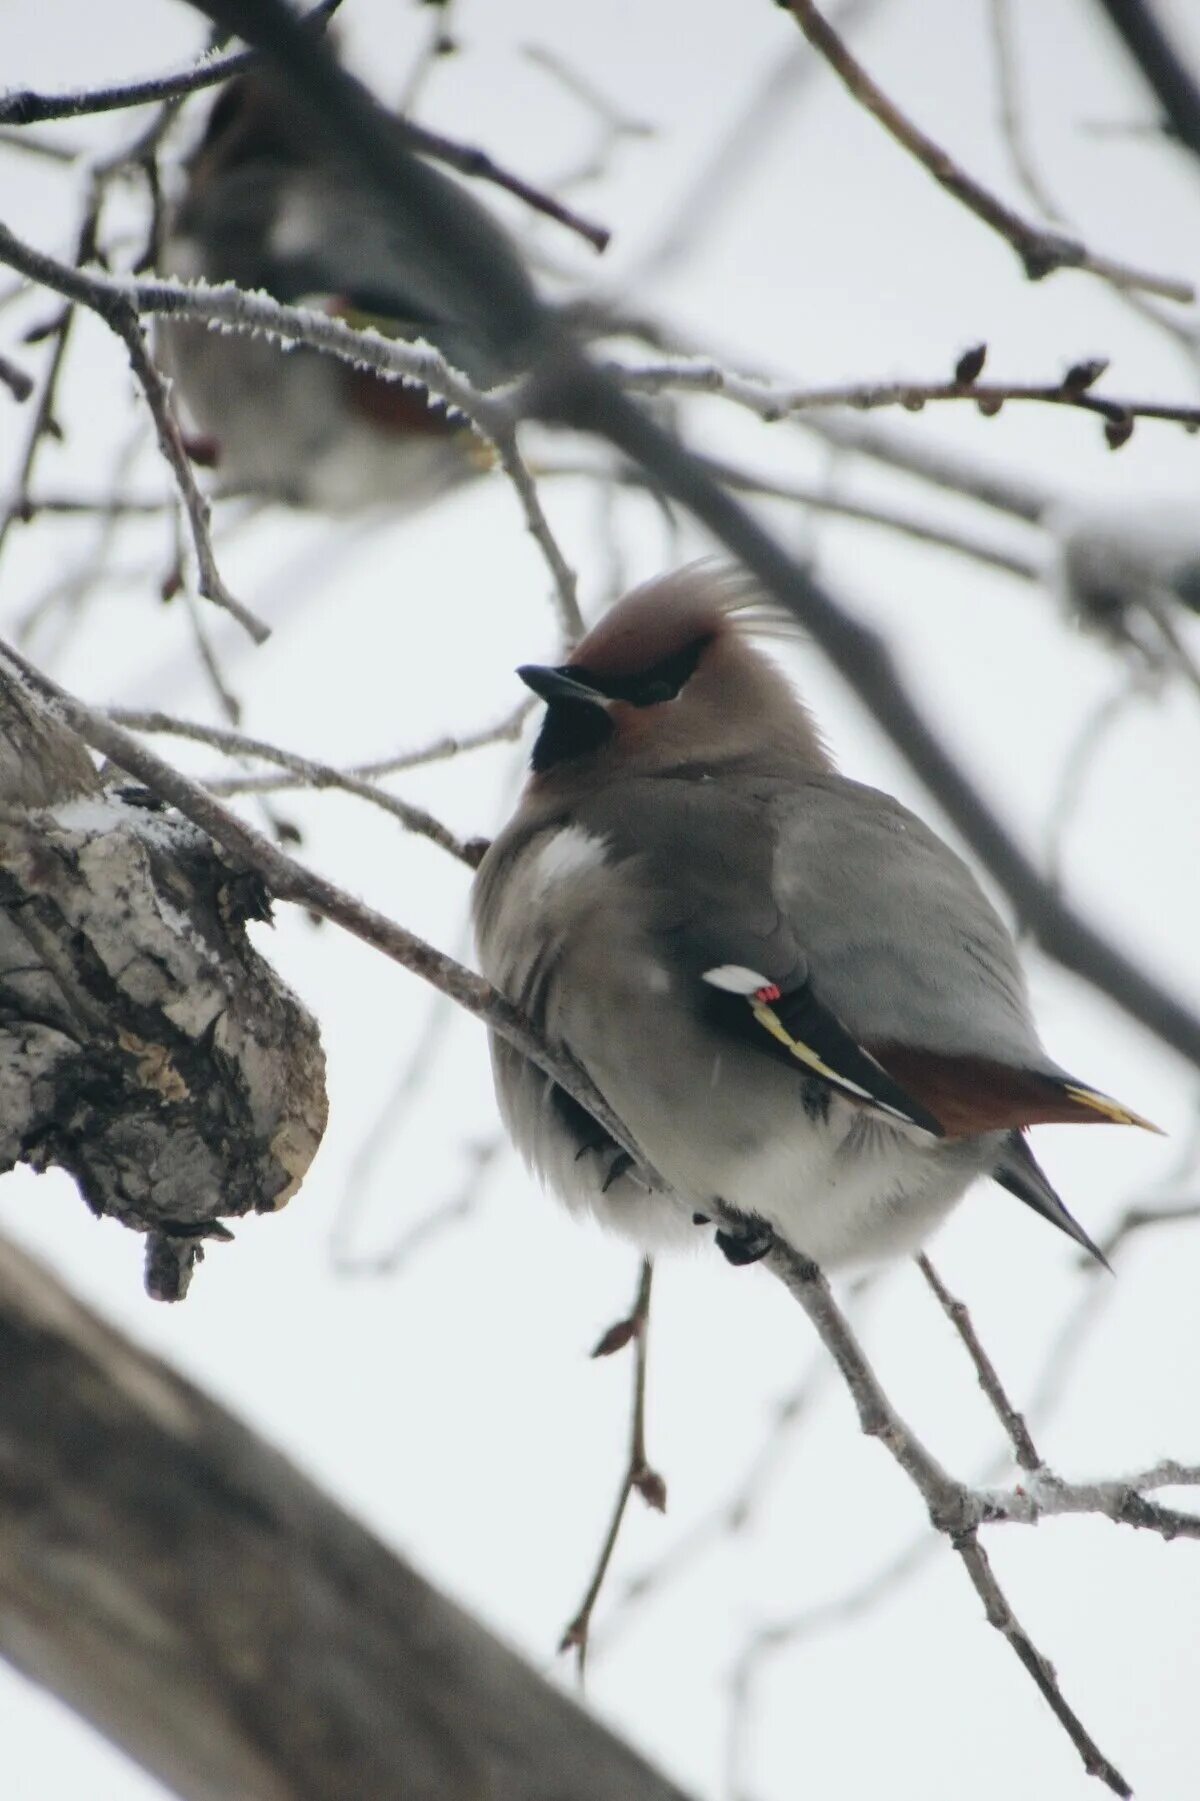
<point>653,693</point>
<point>664,681</point>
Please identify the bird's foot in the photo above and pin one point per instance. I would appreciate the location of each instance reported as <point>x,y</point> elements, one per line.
<point>744,1241</point>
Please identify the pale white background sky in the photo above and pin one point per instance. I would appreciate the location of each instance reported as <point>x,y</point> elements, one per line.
<point>453,1407</point>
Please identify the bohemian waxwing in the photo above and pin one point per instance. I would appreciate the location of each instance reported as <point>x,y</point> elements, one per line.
<point>268,207</point>
<point>796,997</point>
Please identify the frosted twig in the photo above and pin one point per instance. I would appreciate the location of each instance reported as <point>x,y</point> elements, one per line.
<point>772,402</point>
<point>22,106</point>
<point>638,1473</point>
<point>106,298</point>
<point>1041,252</point>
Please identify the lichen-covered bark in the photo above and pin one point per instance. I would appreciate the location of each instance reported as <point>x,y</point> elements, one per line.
<point>145,1045</point>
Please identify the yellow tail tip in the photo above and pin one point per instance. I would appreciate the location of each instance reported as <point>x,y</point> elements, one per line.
<point>1110,1109</point>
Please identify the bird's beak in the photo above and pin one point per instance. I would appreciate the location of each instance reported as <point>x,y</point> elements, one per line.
<point>558,684</point>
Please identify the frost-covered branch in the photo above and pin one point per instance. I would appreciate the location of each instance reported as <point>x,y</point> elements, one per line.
<point>772,402</point>
<point>25,106</point>
<point>111,301</point>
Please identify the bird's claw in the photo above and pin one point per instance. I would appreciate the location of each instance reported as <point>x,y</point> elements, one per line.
<point>616,1169</point>
<point>746,1243</point>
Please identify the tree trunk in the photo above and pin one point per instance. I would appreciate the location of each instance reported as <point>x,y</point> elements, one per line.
<point>184,1588</point>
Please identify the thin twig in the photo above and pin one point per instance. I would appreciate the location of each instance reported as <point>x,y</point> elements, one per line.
<point>1079,765</point>
<point>1013,1422</point>
<point>638,1473</point>
<point>950,1503</point>
<point>15,379</point>
<point>732,1515</point>
<point>312,774</point>
<point>569,617</point>
<point>43,424</point>
<point>110,303</point>
<point>469,160</point>
<point>1000,1615</point>
<point>23,106</point>
<point>1041,252</point>
<point>170,440</point>
<point>117,302</point>
<point>506,732</point>
<point>821,499</point>
<point>768,1640</point>
<point>484,1159</point>
<point>1012,118</point>
<point>772,402</point>
<point>727,163</point>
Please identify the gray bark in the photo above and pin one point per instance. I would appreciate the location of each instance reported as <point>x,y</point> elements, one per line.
<point>183,1587</point>
<point>145,1046</point>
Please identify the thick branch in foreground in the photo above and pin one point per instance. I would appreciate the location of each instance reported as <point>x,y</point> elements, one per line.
<point>1161,65</point>
<point>186,1589</point>
<point>145,1046</point>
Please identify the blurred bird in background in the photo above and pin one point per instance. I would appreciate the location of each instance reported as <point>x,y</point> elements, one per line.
<point>796,997</point>
<point>1116,562</point>
<point>267,205</point>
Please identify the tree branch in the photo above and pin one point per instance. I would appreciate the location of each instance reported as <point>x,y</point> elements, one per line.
<point>772,402</point>
<point>1012,1421</point>
<point>22,106</point>
<point>184,1587</point>
<point>1041,252</point>
<point>638,1473</point>
<point>1161,65</point>
<point>1000,1615</point>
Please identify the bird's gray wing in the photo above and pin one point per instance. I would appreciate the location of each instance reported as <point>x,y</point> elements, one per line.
<point>821,922</point>
<point>705,858</point>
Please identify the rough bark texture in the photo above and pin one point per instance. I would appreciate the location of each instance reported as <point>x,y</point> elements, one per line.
<point>145,1046</point>
<point>189,1592</point>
